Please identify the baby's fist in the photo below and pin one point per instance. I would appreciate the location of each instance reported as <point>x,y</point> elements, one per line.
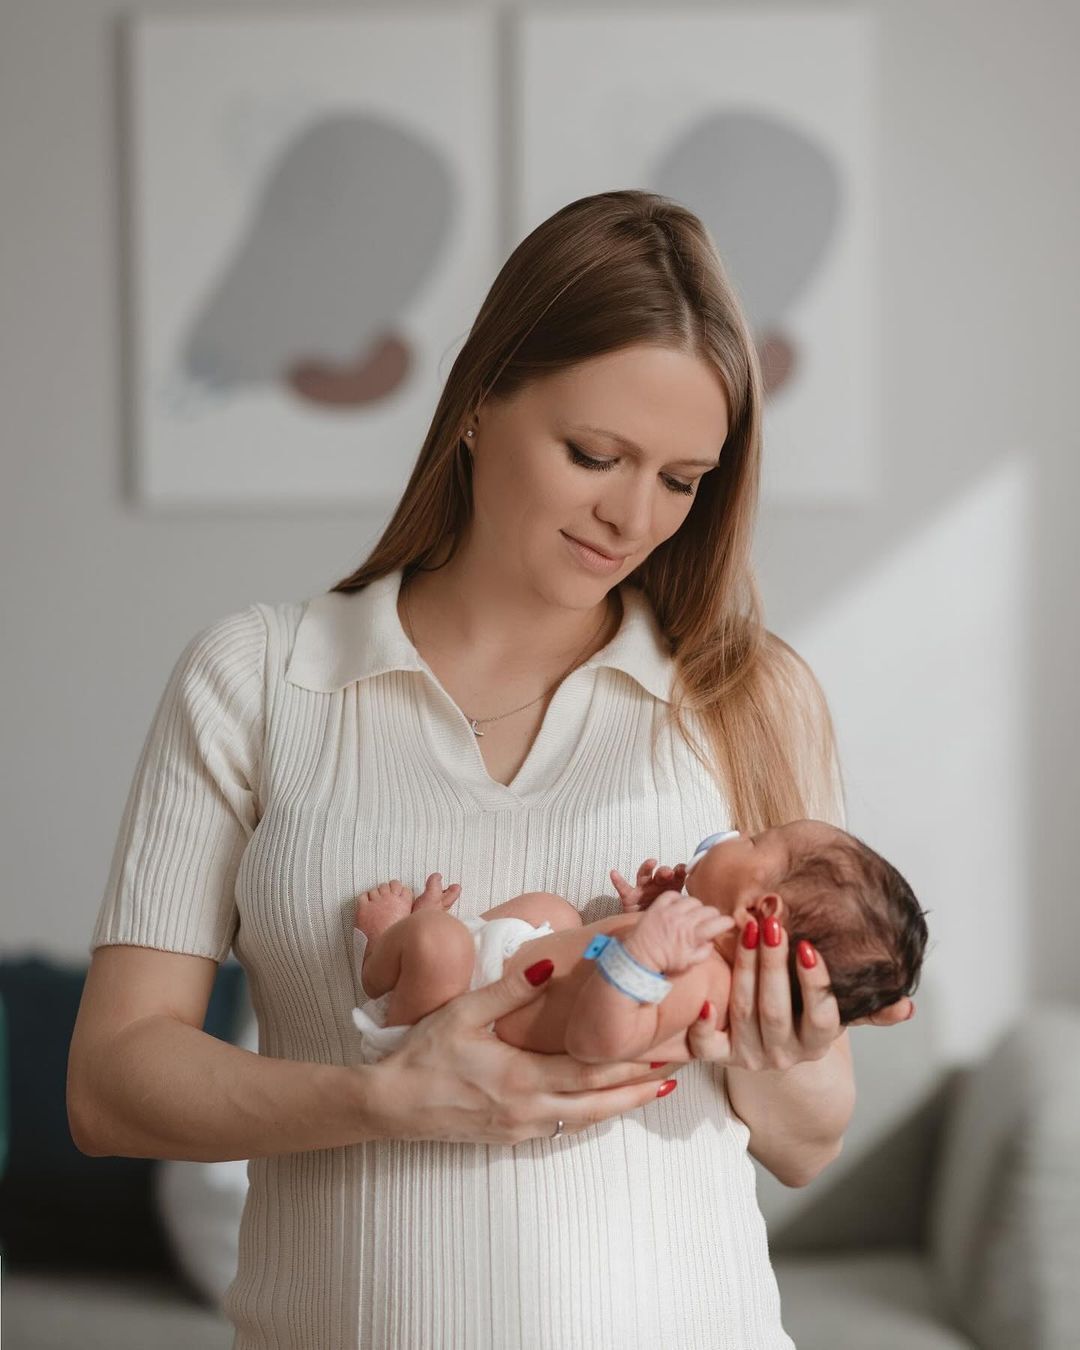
<point>675,933</point>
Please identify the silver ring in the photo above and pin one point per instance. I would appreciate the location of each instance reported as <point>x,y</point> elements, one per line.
<point>558,1130</point>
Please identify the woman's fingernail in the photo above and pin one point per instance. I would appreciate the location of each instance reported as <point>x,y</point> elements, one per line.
<point>657,1063</point>
<point>750,935</point>
<point>772,932</point>
<point>668,1085</point>
<point>706,1009</point>
<point>538,973</point>
<point>807,955</point>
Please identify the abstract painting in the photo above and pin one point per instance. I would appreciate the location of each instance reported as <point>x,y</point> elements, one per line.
<point>314,225</point>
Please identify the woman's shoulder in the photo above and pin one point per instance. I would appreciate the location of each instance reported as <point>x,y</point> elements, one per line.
<point>251,625</point>
<point>320,643</point>
<point>237,651</point>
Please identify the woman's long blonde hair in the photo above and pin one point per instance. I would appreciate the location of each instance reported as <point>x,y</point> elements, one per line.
<point>606,272</point>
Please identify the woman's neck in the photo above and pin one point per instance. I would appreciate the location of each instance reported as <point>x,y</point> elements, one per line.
<point>500,622</point>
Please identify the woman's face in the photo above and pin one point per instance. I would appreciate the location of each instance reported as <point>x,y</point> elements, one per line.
<point>534,484</point>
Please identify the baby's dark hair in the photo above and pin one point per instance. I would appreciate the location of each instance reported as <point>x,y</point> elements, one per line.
<point>873,941</point>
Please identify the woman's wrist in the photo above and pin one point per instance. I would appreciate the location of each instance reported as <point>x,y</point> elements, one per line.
<point>374,1104</point>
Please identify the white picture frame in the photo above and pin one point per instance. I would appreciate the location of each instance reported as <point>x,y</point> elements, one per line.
<point>251,258</point>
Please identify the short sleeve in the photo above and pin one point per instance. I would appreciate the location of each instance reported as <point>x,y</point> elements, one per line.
<point>193,803</point>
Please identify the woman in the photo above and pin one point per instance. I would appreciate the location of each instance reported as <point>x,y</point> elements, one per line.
<point>484,691</point>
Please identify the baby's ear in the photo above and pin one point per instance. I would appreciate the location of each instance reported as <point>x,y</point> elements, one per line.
<point>769,906</point>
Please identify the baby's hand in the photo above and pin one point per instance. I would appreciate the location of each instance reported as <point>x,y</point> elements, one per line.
<point>650,884</point>
<point>676,933</point>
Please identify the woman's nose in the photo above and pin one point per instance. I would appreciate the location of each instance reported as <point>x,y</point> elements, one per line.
<point>629,507</point>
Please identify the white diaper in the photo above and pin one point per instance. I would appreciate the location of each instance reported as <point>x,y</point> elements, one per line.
<point>495,940</point>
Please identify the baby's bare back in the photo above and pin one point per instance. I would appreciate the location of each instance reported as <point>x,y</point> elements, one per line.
<point>541,1025</point>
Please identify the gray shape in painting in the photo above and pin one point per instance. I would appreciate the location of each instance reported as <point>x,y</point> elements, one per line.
<point>347,229</point>
<point>770,196</point>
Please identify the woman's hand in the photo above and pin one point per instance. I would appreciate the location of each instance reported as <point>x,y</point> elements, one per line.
<point>760,1032</point>
<point>453,1079</point>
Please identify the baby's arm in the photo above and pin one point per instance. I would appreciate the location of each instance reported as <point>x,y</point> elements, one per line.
<point>674,934</point>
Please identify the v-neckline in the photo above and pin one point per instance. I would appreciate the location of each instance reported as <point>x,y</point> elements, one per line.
<point>530,780</point>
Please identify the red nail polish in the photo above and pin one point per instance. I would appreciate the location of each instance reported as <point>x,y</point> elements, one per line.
<point>807,955</point>
<point>706,1010</point>
<point>750,935</point>
<point>772,932</point>
<point>657,1063</point>
<point>538,973</point>
<point>668,1085</point>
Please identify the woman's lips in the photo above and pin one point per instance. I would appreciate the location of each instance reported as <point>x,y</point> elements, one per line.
<point>594,560</point>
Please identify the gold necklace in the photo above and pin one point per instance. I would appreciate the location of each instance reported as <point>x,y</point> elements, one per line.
<point>474,722</point>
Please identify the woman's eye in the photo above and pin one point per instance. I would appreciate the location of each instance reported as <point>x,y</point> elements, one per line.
<point>603,465</point>
<point>587,461</point>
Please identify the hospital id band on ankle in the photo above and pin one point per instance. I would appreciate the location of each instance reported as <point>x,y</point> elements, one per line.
<point>620,969</point>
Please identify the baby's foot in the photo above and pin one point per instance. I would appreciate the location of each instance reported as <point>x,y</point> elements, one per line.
<point>381,907</point>
<point>433,896</point>
<point>376,911</point>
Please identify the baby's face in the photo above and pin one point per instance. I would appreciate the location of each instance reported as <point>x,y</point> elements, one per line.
<point>741,875</point>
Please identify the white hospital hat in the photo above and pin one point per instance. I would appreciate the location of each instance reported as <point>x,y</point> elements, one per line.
<point>706,844</point>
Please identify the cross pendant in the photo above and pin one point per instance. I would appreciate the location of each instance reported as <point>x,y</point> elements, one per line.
<point>475,729</point>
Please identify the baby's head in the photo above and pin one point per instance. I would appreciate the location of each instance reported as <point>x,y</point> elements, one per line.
<point>828,887</point>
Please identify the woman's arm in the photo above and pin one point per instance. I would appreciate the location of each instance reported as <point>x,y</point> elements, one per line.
<point>793,1085</point>
<point>797,1117</point>
<point>145,1082</point>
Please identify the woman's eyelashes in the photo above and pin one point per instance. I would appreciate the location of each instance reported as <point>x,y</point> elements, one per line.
<point>602,465</point>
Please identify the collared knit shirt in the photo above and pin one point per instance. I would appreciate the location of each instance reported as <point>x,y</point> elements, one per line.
<point>301,753</point>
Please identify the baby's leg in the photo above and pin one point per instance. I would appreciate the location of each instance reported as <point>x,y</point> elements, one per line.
<point>384,905</point>
<point>425,959</point>
<point>537,907</point>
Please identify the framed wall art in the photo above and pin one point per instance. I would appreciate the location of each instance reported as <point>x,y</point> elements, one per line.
<point>314,226</point>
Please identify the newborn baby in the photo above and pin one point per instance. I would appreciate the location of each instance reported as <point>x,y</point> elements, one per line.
<point>628,987</point>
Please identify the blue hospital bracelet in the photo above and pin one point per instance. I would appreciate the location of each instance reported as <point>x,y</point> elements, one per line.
<point>620,969</point>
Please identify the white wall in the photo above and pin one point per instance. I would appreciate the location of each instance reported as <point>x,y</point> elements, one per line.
<point>943,621</point>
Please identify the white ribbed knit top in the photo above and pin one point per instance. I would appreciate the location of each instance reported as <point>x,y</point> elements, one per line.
<point>302,753</point>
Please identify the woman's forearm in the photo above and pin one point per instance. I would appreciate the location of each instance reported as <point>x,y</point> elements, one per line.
<point>163,1089</point>
<point>797,1117</point>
